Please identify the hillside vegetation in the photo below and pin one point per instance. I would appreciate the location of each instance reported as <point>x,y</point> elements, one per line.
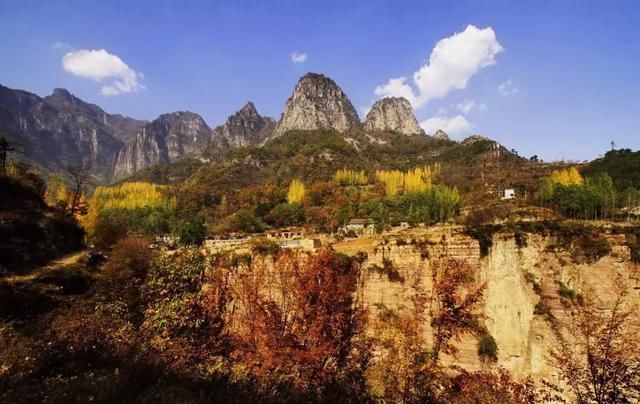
<point>32,232</point>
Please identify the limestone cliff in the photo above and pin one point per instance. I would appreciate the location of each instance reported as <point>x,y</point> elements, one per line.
<point>522,307</point>
<point>166,139</point>
<point>317,103</point>
<point>245,128</point>
<point>393,114</point>
<point>61,130</point>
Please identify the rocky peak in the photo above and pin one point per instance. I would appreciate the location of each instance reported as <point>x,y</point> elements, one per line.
<point>245,127</point>
<point>249,110</point>
<point>71,108</point>
<point>476,138</point>
<point>63,95</point>
<point>393,114</point>
<point>317,102</point>
<point>168,138</point>
<point>440,134</point>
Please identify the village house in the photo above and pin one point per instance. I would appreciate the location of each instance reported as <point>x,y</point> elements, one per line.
<point>508,193</point>
<point>306,244</point>
<point>360,227</point>
<point>289,233</point>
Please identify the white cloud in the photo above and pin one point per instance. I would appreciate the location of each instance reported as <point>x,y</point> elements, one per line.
<point>454,126</point>
<point>507,88</point>
<point>60,46</point>
<point>467,106</point>
<point>103,67</point>
<point>298,57</point>
<point>453,61</point>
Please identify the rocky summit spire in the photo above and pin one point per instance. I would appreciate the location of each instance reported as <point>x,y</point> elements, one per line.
<point>440,134</point>
<point>168,138</point>
<point>245,127</point>
<point>317,103</point>
<point>393,114</point>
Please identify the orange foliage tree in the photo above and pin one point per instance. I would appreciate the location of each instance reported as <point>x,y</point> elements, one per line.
<point>453,304</point>
<point>296,318</point>
<point>599,357</point>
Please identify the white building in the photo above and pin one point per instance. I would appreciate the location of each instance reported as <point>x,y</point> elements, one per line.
<point>508,193</point>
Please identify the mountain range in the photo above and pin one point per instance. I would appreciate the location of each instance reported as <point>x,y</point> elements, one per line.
<point>61,130</point>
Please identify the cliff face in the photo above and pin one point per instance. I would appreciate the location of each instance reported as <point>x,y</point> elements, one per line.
<point>317,103</point>
<point>518,279</point>
<point>166,139</point>
<point>393,114</point>
<point>61,130</point>
<point>245,128</point>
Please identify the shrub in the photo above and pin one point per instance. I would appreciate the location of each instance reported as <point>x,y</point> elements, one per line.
<point>633,242</point>
<point>565,291</point>
<point>531,278</point>
<point>264,246</point>
<point>484,235</point>
<point>387,269</point>
<point>593,246</point>
<point>191,232</point>
<point>130,256</point>
<point>487,348</point>
<point>520,238</point>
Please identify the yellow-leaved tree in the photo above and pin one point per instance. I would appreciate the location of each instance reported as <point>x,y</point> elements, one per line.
<point>418,179</point>
<point>568,176</point>
<point>128,196</point>
<point>296,192</point>
<point>56,194</point>
<point>350,177</point>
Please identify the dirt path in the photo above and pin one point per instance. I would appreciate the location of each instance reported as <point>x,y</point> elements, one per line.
<point>66,260</point>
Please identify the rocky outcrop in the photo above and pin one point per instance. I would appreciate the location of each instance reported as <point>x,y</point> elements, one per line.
<point>121,127</point>
<point>440,135</point>
<point>521,306</point>
<point>317,103</point>
<point>61,130</point>
<point>166,139</point>
<point>392,114</point>
<point>245,128</point>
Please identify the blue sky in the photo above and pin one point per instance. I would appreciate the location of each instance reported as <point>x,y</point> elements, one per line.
<point>570,68</point>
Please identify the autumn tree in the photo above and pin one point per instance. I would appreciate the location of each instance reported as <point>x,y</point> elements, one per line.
<point>350,177</point>
<point>599,355</point>
<point>453,304</point>
<point>56,193</point>
<point>296,192</point>
<point>407,366</point>
<point>490,388</point>
<point>80,176</point>
<point>295,317</point>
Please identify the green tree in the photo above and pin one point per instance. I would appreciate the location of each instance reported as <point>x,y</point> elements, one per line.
<point>191,232</point>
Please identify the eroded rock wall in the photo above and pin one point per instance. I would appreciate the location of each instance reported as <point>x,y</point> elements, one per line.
<point>520,280</point>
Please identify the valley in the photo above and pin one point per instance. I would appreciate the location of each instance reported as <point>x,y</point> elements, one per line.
<point>317,258</point>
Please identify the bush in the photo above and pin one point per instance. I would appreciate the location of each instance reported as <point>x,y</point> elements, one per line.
<point>263,246</point>
<point>387,269</point>
<point>487,348</point>
<point>484,235</point>
<point>565,291</point>
<point>633,242</point>
<point>130,256</point>
<point>191,232</point>
<point>71,281</point>
<point>592,247</point>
